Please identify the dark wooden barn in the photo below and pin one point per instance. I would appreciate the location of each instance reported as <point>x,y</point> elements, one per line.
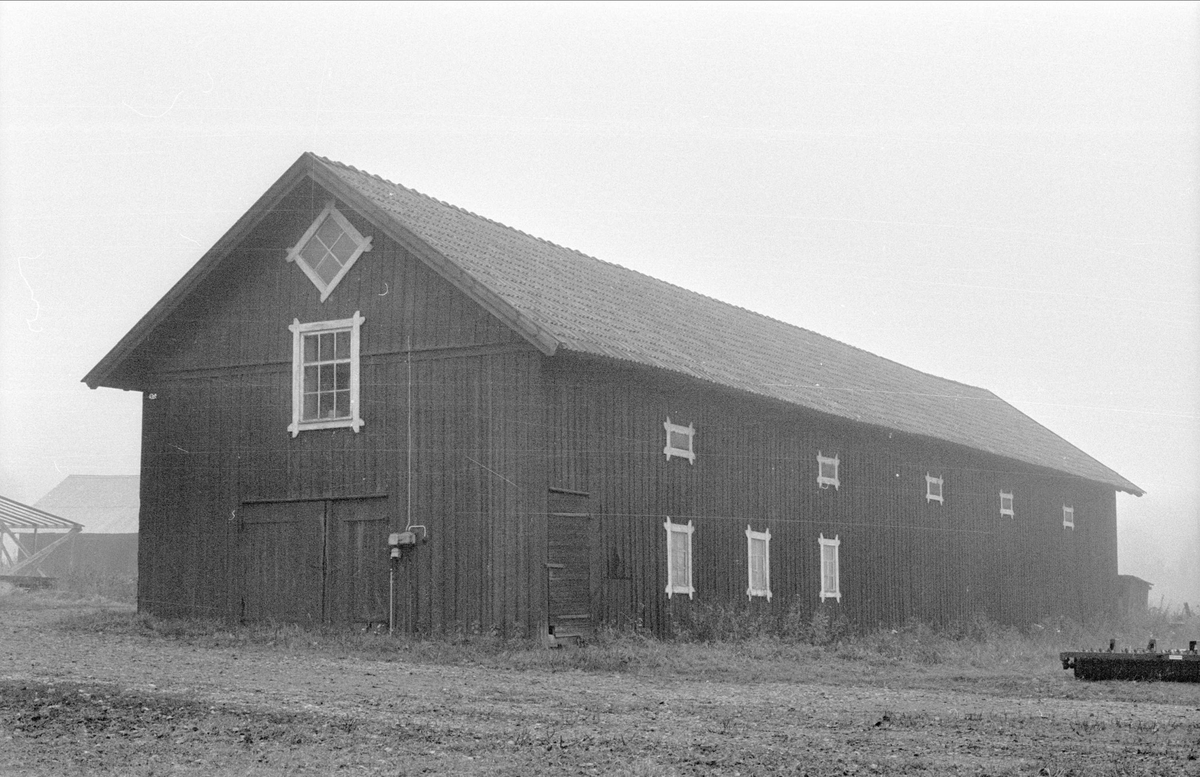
<point>560,442</point>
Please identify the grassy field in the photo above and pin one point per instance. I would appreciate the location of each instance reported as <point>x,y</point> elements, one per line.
<point>89,687</point>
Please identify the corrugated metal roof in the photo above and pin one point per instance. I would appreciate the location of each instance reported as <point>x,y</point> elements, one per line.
<point>19,517</point>
<point>595,307</point>
<point>105,504</point>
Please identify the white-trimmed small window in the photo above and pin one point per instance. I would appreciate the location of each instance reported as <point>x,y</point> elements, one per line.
<point>827,471</point>
<point>325,374</point>
<point>933,489</point>
<point>679,558</point>
<point>680,441</point>
<point>758,555</point>
<point>1006,504</point>
<point>328,250</point>
<point>831,587</point>
<point>1068,517</point>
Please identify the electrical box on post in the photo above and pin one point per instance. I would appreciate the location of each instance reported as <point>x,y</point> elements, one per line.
<point>402,539</point>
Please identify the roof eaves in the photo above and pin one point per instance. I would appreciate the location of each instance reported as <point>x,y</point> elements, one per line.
<point>102,373</point>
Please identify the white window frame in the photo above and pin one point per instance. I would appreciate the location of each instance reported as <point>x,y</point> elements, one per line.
<point>930,481</point>
<point>686,530</point>
<point>765,538</point>
<point>354,420</point>
<point>829,556</point>
<point>1068,517</point>
<point>670,450</point>
<point>1007,511</point>
<point>824,481</point>
<point>363,245</point>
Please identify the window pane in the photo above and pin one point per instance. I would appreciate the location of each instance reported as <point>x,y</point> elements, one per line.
<point>828,569</point>
<point>326,378</point>
<point>312,253</point>
<point>679,559</point>
<point>310,407</point>
<point>341,378</point>
<point>758,551</point>
<point>326,405</point>
<point>310,349</point>
<point>342,344</point>
<point>310,379</point>
<point>343,248</point>
<point>325,346</point>
<point>679,441</point>
<point>329,231</point>
<point>342,404</point>
<point>327,269</point>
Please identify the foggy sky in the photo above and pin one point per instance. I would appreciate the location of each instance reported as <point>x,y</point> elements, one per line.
<point>1004,195</point>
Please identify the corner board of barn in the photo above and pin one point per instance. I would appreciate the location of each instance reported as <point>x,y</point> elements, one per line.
<point>364,406</point>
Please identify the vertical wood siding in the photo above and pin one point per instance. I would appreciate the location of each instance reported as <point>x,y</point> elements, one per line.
<point>495,426</point>
<point>215,435</point>
<point>901,556</point>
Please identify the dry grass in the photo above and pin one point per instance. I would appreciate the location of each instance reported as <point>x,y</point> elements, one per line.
<point>977,650</point>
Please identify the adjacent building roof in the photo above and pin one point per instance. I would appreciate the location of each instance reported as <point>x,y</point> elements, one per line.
<point>104,504</point>
<point>560,298</point>
<point>18,517</point>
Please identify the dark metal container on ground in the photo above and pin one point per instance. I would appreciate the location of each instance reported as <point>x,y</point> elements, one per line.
<point>1149,664</point>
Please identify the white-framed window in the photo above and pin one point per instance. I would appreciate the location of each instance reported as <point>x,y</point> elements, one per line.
<point>758,556</point>
<point>680,441</point>
<point>679,558</point>
<point>933,489</point>
<point>328,249</point>
<point>325,374</point>
<point>831,587</point>
<point>1006,504</point>
<point>827,471</point>
<point>1068,517</point>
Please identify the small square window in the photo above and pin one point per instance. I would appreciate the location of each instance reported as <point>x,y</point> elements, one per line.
<point>1068,517</point>
<point>679,558</point>
<point>328,249</point>
<point>758,552</point>
<point>933,489</point>
<point>827,471</point>
<point>680,441</point>
<point>830,583</point>
<point>1006,504</point>
<point>325,374</point>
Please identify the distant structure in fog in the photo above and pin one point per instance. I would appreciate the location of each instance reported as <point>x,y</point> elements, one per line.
<point>557,442</point>
<point>1132,594</point>
<point>107,507</point>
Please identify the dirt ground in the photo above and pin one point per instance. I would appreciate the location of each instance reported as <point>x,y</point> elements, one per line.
<point>74,701</point>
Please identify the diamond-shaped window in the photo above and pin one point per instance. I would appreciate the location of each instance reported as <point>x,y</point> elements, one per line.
<point>328,249</point>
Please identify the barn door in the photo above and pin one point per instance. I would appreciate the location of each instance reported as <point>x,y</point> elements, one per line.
<point>283,558</point>
<point>568,566</point>
<point>320,561</point>
<point>357,564</point>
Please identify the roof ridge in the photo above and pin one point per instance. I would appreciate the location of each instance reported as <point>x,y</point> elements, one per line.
<point>585,255</point>
<point>466,212</point>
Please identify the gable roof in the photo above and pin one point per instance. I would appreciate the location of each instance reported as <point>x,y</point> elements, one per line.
<point>557,297</point>
<point>104,504</point>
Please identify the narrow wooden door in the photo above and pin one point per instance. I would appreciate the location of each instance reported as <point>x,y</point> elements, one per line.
<point>568,566</point>
<point>282,561</point>
<point>357,564</point>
